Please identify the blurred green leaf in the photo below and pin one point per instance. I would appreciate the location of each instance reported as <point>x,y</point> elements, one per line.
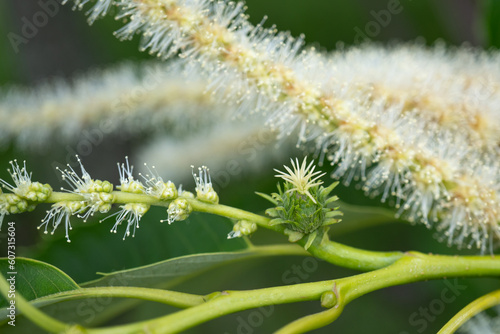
<point>169,271</point>
<point>491,22</point>
<point>358,217</point>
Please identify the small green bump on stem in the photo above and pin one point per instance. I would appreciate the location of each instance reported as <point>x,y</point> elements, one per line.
<point>328,299</point>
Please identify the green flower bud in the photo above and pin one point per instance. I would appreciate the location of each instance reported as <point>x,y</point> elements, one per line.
<point>178,209</point>
<point>328,299</point>
<point>242,227</point>
<point>302,205</point>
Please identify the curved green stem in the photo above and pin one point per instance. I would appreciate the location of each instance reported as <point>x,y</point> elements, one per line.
<point>387,269</point>
<point>313,321</point>
<point>177,299</point>
<point>225,303</point>
<point>327,250</point>
<point>482,303</point>
<point>411,267</point>
<point>35,315</point>
<point>121,197</point>
<point>350,257</point>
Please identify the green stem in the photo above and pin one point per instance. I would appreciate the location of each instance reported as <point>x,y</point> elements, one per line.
<point>388,269</point>
<point>35,315</point>
<point>121,197</point>
<point>177,299</point>
<point>350,257</point>
<point>412,267</point>
<point>327,250</point>
<point>332,252</point>
<point>225,303</point>
<point>482,303</point>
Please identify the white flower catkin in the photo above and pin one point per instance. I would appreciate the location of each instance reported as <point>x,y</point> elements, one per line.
<point>129,98</point>
<point>414,125</point>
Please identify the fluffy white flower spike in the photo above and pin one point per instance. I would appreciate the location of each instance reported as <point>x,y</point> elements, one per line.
<point>302,177</point>
<point>420,128</point>
<point>204,189</point>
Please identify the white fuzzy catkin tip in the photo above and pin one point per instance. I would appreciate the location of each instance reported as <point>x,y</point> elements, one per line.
<point>130,99</point>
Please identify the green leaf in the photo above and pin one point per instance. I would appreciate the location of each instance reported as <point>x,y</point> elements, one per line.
<point>163,273</point>
<point>358,217</point>
<point>34,279</point>
<point>266,196</point>
<point>310,239</point>
<point>93,249</point>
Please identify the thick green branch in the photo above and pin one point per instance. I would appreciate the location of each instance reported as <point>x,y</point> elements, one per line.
<point>412,267</point>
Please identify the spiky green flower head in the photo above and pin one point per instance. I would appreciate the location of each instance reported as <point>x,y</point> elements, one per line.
<point>302,204</point>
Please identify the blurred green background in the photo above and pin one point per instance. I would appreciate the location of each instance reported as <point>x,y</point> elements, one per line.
<point>67,46</point>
